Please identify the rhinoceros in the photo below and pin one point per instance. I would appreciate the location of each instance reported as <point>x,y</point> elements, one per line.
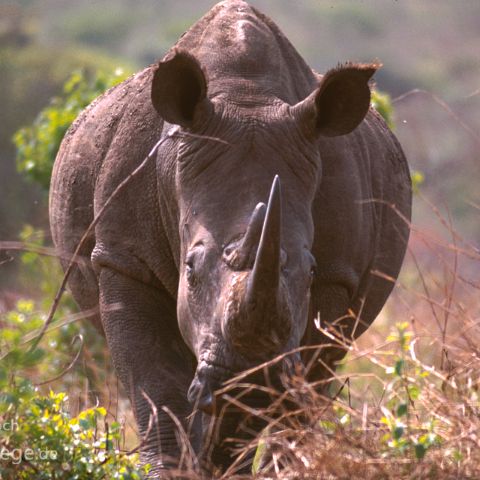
<point>276,197</point>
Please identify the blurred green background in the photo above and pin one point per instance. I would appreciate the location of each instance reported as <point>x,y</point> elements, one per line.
<point>432,45</point>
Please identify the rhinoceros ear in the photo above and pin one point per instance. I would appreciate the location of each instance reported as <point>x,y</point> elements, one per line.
<point>340,102</point>
<point>179,88</point>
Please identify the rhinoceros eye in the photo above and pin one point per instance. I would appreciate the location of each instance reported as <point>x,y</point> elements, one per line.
<point>190,271</point>
<point>194,261</point>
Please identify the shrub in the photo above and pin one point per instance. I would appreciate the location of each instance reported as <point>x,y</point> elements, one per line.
<point>37,145</point>
<point>39,438</point>
<point>382,103</point>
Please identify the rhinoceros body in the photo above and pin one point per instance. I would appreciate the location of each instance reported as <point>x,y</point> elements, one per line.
<point>276,196</point>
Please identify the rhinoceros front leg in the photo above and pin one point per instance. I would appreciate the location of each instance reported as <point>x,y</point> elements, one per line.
<point>151,361</point>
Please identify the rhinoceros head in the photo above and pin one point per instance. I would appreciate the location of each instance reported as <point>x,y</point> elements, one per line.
<point>247,169</point>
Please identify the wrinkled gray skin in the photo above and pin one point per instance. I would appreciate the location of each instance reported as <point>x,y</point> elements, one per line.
<point>188,297</point>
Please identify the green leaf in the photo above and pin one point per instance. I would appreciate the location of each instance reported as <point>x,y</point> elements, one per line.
<point>259,454</point>
<point>33,358</point>
<point>398,432</point>
<point>402,409</point>
<point>399,364</point>
<point>382,103</point>
<point>413,391</point>
<point>418,178</point>
<point>420,451</point>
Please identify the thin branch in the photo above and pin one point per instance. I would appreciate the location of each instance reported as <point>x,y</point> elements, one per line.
<point>40,250</point>
<point>444,105</point>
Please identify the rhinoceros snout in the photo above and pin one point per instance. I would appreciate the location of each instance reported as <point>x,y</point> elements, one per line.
<point>208,379</point>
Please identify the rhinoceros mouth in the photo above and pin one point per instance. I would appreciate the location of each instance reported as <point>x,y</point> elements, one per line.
<point>211,389</point>
<point>209,378</point>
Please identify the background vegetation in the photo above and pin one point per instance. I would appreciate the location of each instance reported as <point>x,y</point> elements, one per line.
<point>408,402</point>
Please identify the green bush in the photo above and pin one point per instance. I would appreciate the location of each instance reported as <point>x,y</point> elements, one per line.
<point>38,432</point>
<point>39,438</point>
<point>382,103</point>
<point>37,145</point>
<point>406,384</point>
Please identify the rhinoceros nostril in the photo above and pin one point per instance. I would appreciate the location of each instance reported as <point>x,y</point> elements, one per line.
<point>195,390</point>
<point>206,404</point>
<point>201,394</point>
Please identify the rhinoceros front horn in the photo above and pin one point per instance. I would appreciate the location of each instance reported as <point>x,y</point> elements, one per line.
<point>263,283</point>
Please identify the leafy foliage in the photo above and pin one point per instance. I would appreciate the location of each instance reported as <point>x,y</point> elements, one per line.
<point>38,144</point>
<point>404,389</point>
<point>382,103</point>
<point>39,438</point>
<point>418,178</point>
